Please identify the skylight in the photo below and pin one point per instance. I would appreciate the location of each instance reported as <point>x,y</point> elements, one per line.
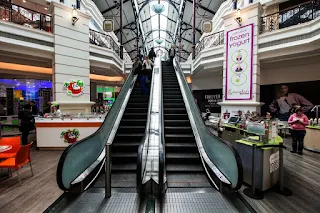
<point>155,23</point>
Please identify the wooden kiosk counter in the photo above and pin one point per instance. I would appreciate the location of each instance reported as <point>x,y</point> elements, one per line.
<point>311,140</point>
<point>58,133</point>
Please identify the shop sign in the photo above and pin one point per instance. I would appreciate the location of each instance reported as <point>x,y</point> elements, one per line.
<point>74,88</point>
<point>70,136</point>
<point>274,162</point>
<point>208,99</point>
<point>239,59</point>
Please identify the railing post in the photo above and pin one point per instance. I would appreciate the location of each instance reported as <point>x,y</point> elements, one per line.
<point>40,22</point>
<point>107,167</point>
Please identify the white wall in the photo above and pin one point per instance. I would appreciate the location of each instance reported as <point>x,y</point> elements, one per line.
<point>296,70</point>
<point>211,82</point>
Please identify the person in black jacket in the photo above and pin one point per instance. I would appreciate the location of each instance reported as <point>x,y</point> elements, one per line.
<point>152,54</point>
<point>26,123</point>
<point>172,54</point>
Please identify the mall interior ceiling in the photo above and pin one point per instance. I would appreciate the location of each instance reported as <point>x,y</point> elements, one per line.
<point>160,23</point>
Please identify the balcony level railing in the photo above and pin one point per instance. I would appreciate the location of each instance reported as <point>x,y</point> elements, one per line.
<point>298,14</point>
<point>211,40</point>
<point>103,40</point>
<point>19,15</point>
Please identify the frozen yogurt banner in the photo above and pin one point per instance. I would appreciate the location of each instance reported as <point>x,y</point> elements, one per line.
<point>239,63</point>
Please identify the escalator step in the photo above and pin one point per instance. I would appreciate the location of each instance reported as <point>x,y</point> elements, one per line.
<point>178,105</point>
<point>125,155</point>
<point>175,116</point>
<point>137,105</point>
<point>172,96</point>
<point>137,110</point>
<point>132,122</point>
<point>178,130</point>
<point>124,167</point>
<point>133,137</point>
<point>134,115</point>
<point>179,138</point>
<point>184,168</point>
<point>172,100</point>
<point>173,92</point>
<point>183,155</point>
<point>176,123</point>
<point>175,110</point>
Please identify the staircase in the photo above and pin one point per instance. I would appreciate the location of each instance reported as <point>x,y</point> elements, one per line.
<point>183,163</point>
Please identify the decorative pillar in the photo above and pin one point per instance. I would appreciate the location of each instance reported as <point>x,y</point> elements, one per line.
<point>241,67</point>
<point>121,29</point>
<point>71,65</point>
<point>194,30</point>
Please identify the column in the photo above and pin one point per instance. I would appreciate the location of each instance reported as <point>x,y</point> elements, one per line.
<point>71,65</point>
<point>241,67</point>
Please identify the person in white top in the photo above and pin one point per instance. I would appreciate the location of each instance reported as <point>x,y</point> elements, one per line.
<point>147,63</point>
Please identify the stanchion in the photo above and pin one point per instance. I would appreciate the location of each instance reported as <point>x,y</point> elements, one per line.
<point>252,192</point>
<point>107,167</point>
<point>281,189</point>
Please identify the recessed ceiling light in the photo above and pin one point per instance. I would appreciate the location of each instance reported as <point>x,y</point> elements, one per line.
<point>46,8</point>
<point>24,1</point>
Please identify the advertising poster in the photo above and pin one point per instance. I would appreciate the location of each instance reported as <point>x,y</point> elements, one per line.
<point>239,53</point>
<point>208,99</point>
<point>300,93</point>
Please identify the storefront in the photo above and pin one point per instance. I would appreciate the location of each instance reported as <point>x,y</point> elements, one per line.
<point>14,93</point>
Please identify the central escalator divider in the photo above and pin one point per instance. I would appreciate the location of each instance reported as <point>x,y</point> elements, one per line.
<point>183,163</point>
<point>127,140</point>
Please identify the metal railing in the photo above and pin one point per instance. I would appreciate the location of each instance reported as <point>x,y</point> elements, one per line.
<point>298,14</point>
<point>103,40</point>
<point>211,40</point>
<point>19,15</point>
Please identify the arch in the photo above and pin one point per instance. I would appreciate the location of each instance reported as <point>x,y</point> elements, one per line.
<point>155,30</point>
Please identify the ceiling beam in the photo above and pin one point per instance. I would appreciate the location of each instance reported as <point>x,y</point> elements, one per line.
<point>113,7</point>
<point>202,7</point>
<point>129,41</point>
<point>186,40</point>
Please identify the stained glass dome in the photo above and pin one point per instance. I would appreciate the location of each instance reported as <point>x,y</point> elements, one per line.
<point>159,41</point>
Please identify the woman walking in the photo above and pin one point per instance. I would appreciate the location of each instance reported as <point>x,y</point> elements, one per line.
<point>298,122</point>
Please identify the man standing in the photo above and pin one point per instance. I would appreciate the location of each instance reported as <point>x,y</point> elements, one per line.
<point>172,53</point>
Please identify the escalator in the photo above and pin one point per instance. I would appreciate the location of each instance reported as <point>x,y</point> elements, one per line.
<point>183,163</point>
<point>203,173</point>
<point>125,145</point>
<point>82,168</point>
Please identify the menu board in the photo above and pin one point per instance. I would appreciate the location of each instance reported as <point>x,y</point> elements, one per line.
<point>9,95</point>
<point>46,95</point>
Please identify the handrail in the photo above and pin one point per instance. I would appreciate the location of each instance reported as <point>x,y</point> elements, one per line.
<point>211,40</point>
<point>81,155</point>
<point>103,40</point>
<point>19,15</point>
<point>291,16</point>
<point>211,147</point>
<point>151,140</point>
<point>143,148</point>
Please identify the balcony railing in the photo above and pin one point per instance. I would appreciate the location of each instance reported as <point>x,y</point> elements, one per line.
<point>291,16</point>
<point>19,15</point>
<point>212,40</point>
<point>103,40</point>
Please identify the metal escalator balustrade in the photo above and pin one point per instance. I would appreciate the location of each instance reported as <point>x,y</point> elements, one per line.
<point>80,158</point>
<point>150,161</point>
<point>219,158</point>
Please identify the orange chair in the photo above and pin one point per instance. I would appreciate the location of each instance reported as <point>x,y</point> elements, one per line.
<point>22,157</point>
<point>12,141</point>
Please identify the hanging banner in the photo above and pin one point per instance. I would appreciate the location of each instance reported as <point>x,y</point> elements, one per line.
<point>239,54</point>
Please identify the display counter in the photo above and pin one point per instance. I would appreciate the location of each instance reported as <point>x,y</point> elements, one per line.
<point>266,158</point>
<point>57,133</point>
<point>266,161</point>
<point>311,140</point>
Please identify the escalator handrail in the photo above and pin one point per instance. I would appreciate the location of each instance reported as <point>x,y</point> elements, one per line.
<point>162,139</point>
<point>61,163</point>
<point>207,159</point>
<point>145,140</point>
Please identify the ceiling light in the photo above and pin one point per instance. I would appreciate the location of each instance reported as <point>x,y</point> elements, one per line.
<point>24,1</point>
<point>46,8</point>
